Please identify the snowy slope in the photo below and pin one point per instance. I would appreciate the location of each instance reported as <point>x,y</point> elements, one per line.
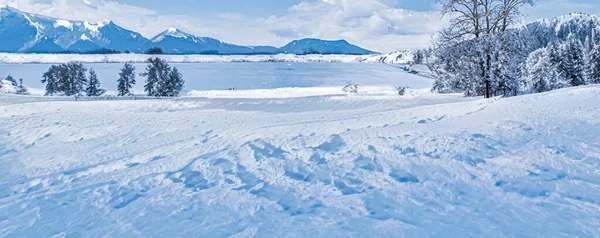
<point>398,57</point>
<point>321,166</point>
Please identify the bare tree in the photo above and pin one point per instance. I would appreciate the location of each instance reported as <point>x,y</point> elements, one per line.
<point>465,19</point>
<point>511,12</point>
<point>481,21</point>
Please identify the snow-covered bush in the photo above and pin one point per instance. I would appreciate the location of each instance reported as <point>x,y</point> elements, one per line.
<point>11,80</point>
<point>6,87</point>
<point>401,90</point>
<point>22,90</point>
<point>350,88</point>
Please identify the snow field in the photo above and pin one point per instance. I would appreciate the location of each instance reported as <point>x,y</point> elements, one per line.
<point>309,165</point>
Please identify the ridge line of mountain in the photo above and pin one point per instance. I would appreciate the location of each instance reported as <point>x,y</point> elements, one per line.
<point>22,32</point>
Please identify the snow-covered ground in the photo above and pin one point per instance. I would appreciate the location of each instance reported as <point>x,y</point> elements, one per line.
<point>317,164</point>
<point>402,57</point>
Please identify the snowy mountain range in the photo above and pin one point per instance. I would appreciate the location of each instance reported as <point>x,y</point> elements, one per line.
<point>31,33</point>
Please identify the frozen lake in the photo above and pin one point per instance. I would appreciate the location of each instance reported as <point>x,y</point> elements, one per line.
<point>222,76</point>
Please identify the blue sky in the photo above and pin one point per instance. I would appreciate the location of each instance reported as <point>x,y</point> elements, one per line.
<point>274,7</point>
<point>248,7</point>
<point>380,25</point>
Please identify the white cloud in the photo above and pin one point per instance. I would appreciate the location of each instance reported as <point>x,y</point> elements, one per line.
<point>373,24</point>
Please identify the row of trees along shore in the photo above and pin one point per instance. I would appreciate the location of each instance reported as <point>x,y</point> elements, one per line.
<point>481,53</point>
<point>74,79</point>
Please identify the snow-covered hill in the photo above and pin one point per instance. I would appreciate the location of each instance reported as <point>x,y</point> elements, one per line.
<point>424,165</point>
<point>403,57</point>
<point>317,46</point>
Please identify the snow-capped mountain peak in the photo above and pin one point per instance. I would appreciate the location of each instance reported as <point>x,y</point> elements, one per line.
<point>26,32</point>
<point>105,22</point>
<point>8,8</point>
<point>172,32</point>
<point>33,33</point>
<point>63,23</point>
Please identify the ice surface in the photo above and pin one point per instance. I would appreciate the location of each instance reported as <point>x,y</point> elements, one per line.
<point>224,76</point>
<point>350,165</point>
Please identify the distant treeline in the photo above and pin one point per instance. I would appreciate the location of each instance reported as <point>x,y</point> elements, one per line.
<point>74,79</point>
<point>159,51</point>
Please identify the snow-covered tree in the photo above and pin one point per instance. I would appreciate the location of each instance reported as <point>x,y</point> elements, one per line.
<point>93,89</point>
<point>126,80</point>
<point>594,65</point>
<point>471,52</point>
<point>476,29</point>
<point>574,63</point>
<point>542,74</point>
<point>507,63</point>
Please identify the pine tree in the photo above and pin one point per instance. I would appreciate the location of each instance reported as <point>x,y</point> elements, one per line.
<point>157,73</point>
<point>542,75</point>
<point>73,78</point>
<point>126,80</point>
<point>594,65</point>
<point>22,90</point>
<point>537,67</point>
<point>557,57</point>
<point>93,89</point>
<point>175,83</point>
<point>69,79</point>
<point>51,78</point>
<point>575,63</point>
